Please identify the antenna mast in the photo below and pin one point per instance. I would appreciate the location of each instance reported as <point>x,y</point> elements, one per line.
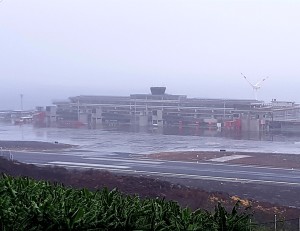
<point>21,96</point>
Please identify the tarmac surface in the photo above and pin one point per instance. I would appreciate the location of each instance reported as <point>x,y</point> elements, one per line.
<point>267,183</point>
<point>128,153</point>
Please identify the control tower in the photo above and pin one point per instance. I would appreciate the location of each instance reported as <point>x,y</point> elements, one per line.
<point>158,90</point>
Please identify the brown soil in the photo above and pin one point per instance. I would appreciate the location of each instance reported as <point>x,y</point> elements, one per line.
<point>278,160</point>
<point>32,145</point>
<point>277,194</point>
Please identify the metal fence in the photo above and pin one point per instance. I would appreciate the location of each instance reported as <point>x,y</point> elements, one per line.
<point>275,225</point>
<point>6,154</point>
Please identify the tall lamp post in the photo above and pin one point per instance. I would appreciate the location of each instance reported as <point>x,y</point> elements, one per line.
<point>21,96</point>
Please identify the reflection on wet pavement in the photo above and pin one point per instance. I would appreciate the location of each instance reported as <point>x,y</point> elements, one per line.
<point>149,141</point>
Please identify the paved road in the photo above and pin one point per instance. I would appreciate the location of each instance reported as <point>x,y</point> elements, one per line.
<point>135,164</point>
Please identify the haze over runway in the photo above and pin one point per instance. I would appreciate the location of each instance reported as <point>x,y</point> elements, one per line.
<point>56,49</point>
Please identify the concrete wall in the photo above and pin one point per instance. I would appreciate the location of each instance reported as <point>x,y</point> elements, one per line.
<point>51,116</point>
<point>250,124</point>
<point>83,118</point>
<point>157,118</point>
<point>143,120</point>
<point>97,117</point>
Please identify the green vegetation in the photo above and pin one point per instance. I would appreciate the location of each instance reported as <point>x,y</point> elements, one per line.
<point>26,204</point>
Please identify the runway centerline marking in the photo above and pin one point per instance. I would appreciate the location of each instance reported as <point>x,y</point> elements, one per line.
<point>124,160</point>
<point>227,158</point>
<point>233,165</point>
<point>87,164</point>
<point>179,175</point>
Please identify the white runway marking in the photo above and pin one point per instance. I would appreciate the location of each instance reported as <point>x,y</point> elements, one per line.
<point>125,160</point>
<point>227,158</point>
<point>237,165</point>
<point>216,178</point>
<point>88,165</point>
<point>114,168</point>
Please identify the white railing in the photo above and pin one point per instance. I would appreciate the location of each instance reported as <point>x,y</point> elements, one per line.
<point>6,154</point>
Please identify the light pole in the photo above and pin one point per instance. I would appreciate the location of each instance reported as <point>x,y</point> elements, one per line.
<point>21,96</point>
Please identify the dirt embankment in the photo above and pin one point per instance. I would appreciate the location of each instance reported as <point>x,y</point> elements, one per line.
<point>287,195</point>
<point>32,145</point>
<point>278,160</point>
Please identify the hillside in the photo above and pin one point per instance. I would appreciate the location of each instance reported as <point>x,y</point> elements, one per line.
<point>146,188</point>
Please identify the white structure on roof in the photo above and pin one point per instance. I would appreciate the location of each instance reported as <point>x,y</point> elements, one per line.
<point>256,86</point>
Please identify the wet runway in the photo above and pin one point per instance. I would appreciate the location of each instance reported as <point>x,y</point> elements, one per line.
<point>122,151</point>
<point>126,163</point>
<point>112,140</point>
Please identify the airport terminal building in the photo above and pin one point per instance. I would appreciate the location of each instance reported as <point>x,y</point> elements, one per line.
<point>156,109</point>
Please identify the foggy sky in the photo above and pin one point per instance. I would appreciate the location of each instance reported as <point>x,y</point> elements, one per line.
<point>60,48</point>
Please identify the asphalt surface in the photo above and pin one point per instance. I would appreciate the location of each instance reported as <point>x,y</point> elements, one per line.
<point>137,164</point>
